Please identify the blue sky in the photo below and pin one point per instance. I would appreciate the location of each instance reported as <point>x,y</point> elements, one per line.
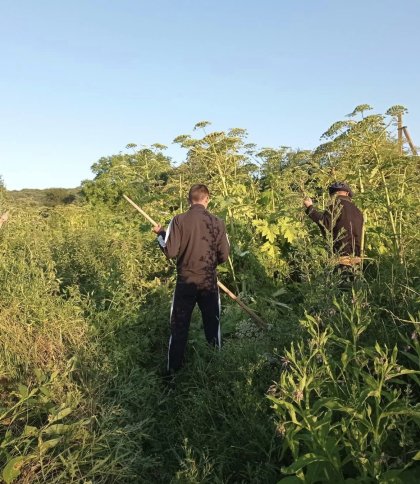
<point>82,78</point>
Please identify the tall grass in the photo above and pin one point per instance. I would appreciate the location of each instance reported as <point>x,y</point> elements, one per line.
<point>328,390</point>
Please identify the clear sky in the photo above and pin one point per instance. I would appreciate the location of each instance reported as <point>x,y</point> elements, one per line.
<point>80,79</point>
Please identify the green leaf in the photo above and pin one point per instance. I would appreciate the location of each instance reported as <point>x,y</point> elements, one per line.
<point>417,456</point>
<point>400,409</point>
<point>13,468</point>
<point>289,229</point>
<point>44,446</point>
<point>60,415</point>
<point>40,375</point>
<point>413,358</point>
<point>336,405</point>
<point>269,249</point>
<point>302,462</point>
<point>30,431</point>
<point>291,480</point>
<point>289,407</point>
<point>23,391</point>
<point>45,391</point>
<point>57,429</point>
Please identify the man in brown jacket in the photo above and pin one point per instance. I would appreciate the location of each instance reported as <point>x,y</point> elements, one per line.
<point>198,241</point>
<point>343,221</point>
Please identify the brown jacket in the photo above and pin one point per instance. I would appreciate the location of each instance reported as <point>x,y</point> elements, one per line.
<point>199,242</point>
<point>344,221</point>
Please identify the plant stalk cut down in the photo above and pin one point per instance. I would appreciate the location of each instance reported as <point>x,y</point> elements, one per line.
<point>248,310</point>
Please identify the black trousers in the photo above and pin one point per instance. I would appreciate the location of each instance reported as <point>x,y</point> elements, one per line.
<point>186,295</point>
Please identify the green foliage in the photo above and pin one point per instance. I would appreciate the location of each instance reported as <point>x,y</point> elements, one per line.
<point>142,172</point>
<point>343,406</point>
<point>85,306</point>
<point>49,197</point>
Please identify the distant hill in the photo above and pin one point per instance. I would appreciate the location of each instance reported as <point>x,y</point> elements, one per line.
<point>48,197</point>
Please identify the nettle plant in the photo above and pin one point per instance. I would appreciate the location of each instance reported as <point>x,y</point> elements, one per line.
<point>345,410</point>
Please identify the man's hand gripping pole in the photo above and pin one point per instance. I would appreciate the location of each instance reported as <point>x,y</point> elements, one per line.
<point>221,286</point>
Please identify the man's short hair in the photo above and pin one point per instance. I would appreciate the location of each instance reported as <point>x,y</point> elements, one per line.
<point>198,193</point>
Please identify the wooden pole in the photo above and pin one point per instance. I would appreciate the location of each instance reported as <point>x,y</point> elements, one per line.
<point>141,211</point>
<point>400,128</point>
<point>221,286</point>
<point>410,141</point>
<point>248,310</point>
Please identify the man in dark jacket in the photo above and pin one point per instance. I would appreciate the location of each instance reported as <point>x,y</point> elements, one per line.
<point>198,241</point>
<point>342,221</point>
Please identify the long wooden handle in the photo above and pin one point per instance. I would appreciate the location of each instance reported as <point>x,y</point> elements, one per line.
<point>222,286</point>
<point>410,141</point>
<point>141,211</point>
<point>242,304</point>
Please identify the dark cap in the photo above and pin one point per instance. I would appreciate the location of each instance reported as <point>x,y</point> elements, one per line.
<point>338,187</point>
